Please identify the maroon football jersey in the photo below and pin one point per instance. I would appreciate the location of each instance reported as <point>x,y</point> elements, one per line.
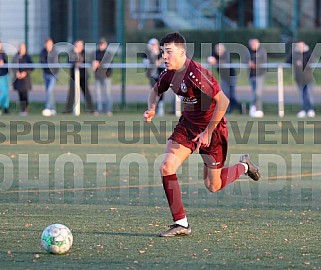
<point>196,87</point>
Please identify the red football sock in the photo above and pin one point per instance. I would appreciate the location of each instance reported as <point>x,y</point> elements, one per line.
<point>230,174</point>
<point>174,196</point>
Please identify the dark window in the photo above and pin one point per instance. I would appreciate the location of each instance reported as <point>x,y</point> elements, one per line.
<point>75,19</point>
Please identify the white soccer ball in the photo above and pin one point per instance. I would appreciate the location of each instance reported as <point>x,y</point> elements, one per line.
<point>46,112</point>
<point>56,239</point>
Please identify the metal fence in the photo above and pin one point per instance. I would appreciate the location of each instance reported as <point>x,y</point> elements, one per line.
<point>76,109</point>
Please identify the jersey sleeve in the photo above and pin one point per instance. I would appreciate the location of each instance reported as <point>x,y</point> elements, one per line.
<point>204,80</point>
<point>163,82</point>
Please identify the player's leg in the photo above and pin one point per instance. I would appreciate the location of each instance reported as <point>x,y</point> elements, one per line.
<point>71,95</point>
<point>84,86</point>
<point>99,98</point>
<point>51,102</point>
<point>216,179</point>
<point>216,176</point>
<point>175,155</point>
<point>212,179</point>
<point>259,95</point>
<point>253,102</point>
<point>109,96</point>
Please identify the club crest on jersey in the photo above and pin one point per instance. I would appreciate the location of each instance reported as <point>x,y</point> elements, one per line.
<point>183,87</point>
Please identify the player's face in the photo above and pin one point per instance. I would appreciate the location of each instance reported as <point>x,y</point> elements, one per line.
<point>49,45</point>
<point>255,44</point>
<point>79,46</point>
<point>173,56</point>
<point>102,45</point>
<point>22,49</point>
<point>301,46</point>
<point>220,49</point>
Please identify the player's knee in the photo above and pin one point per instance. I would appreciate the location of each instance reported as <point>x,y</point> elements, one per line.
<point>166,168</point>
<point>213,189</point>
<point>214,186</point>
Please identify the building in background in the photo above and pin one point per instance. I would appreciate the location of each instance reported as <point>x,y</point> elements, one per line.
<point>66,20</point>
<point>17,25</point>
<point>85,19</point>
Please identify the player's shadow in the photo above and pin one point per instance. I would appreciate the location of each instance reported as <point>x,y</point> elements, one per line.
<point>127,234</point>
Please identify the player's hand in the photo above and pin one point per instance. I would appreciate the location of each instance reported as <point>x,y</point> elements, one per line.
<point>211,60</point>
<point>148,115</point>
<point>203,139</point>
<point>21,75</point>
<point>95,65</point>
<point>252,64</point>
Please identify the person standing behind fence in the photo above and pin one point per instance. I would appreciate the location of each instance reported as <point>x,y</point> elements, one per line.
<point>49,55</point>
<point>303,74</point>
<point>103,77</point>
<point>227,75</point>
<point>154,69</point>
<point>77,58</point>
<point>22,79</point>
<point>257,56</point>
<point>4,82</point>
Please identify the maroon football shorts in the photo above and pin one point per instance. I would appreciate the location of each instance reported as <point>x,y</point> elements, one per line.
<point>213,156</point>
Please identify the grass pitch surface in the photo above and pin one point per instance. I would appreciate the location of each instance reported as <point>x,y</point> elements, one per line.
<point>99,176</point>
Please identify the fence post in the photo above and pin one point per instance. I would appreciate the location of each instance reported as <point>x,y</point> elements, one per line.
<point>280,91</point>
<point>77,92</point>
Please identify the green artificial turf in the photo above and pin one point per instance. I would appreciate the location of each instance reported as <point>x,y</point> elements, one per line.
<point>99,176</point>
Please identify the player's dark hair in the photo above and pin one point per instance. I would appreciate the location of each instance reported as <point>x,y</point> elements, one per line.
<point>175,38</point>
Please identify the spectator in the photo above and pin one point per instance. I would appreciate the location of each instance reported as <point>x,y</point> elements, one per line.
<point>257,57</point>
<point>103,78</point>
<point>22,80</point>
<point>227,75</point>
<point>154,69</point>
<point>49,55</point>
<point>4,82</point>
<point>303,74</point>
<point>77,58</point>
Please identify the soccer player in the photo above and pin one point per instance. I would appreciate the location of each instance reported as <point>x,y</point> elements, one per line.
<point>202,127</point>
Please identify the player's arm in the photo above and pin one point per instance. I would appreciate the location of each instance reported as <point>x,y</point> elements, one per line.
<point>160,87</point>
<point>153,99</point>
<point>222,102</point>
<point>221,106</point>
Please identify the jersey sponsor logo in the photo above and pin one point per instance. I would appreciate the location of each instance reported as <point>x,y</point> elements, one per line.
<point>188,100</point>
